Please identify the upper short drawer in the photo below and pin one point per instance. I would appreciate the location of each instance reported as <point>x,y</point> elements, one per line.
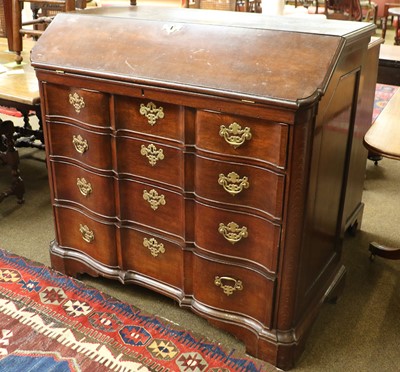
<point>88,189</point>
<point>150,117</point>
<point>150,160</point>
<point>242,136</point>
<point>85,106</point>
<point>88,147</point>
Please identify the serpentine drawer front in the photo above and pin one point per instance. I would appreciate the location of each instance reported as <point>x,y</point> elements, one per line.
<point>195,167</point>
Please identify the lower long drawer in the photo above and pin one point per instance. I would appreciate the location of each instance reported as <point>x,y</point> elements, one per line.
<point>94,238</point>
<point>233,289</point>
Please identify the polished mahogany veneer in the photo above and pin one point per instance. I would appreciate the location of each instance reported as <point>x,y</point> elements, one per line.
<point>207,158</point>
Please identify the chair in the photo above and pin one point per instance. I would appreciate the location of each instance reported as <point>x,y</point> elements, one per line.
<point>48,9</point>
<point>9,156</point>
<point>349,10</point>
<point>213,4</point>
<point>385,17</point>
<point>253,6</point>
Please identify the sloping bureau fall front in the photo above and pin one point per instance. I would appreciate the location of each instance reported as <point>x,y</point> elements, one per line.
<point>204,159</point>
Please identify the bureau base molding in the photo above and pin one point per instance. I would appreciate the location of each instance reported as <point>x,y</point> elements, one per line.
<point>280,348</point>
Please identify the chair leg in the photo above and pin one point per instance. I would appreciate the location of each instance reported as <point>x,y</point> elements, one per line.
<point>11,157</point>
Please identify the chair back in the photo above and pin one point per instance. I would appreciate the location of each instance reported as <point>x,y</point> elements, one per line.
<point>343,10</point>
<point>213,4</point>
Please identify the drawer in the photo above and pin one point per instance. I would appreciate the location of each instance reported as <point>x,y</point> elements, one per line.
<point>157,207</point>
<point>239,235</point>
<point>233,289</point>
<point>88,147</point>
<point>83,234</point>
<point>150,160</point>
<point>84,106</point>
<point>93,191</point>
<point>240,185</point>
<point>150,118</point>
<point>152,256</point>
<point>241,136</point>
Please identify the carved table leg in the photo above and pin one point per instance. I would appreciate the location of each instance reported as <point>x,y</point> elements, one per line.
<point>10,156</point>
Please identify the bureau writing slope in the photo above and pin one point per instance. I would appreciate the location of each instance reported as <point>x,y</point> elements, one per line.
<point>205,157</point>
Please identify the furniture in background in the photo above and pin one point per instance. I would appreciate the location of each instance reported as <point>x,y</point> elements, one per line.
<point>9,156</point>
<point>385,18</point>
<point>213,4</point>
<point>221,188</point>
<point>384,138</point>
<point>394,13</point>
<point>349,10</point>
<point>19,89</point>
<point>389,65</point>
<point>36,26</point>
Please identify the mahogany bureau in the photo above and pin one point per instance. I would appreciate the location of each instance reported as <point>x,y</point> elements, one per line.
<point>206,158</point>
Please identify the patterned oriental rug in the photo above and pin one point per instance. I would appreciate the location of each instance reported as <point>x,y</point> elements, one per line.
<point>51,322</point>
<point>383,94</point>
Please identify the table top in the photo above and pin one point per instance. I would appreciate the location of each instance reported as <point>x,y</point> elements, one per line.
<point>389,52</point>
<point>383,136</point>
<point>394,11</point>
<point>18,83</point>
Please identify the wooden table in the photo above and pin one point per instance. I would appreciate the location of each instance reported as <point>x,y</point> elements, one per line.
<point>384,138</point>
<point>18,84</point>
<point>395,12</point>
<point>18,89</point>
<point>389,65</point>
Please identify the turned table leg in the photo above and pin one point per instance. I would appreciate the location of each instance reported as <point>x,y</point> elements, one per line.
<point>10,157</point>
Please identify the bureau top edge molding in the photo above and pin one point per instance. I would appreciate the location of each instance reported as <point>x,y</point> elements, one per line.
<point>203,58</point>
<point>174,86</point>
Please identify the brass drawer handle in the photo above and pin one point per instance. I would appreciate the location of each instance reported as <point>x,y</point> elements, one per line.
<point>77,102</point>
<point>151,112</point>
<point>154,199</point>
<point>154,246</point>
<point>87,234</point>
<point>228,284</point>
<point>232,183</point>
<point>152,153</point>
<point>234,135</point>
<point>84,187</point>
<point>232,232</point>
<point>80,144</point>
